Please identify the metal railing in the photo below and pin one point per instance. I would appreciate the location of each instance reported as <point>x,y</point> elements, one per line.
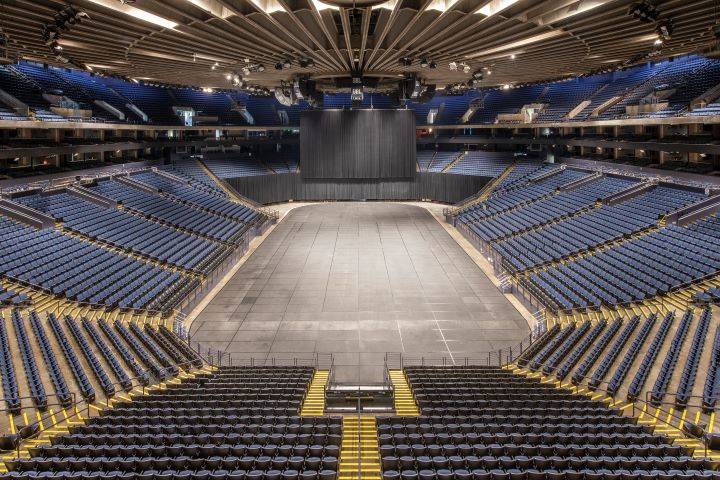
<point>499,357</point>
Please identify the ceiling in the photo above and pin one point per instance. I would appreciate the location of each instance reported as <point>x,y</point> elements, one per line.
<point>202,42</point>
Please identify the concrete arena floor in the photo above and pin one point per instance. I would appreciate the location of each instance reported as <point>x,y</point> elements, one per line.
<point>358,280</point>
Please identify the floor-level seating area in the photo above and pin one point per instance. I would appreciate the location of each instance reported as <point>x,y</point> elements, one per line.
<point>233,423</point>
<point>488,422</point>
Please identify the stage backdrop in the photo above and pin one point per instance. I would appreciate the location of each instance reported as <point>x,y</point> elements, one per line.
<point>357,144</point>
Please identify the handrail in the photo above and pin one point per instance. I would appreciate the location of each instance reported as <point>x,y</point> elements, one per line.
<point>73,395</point>
<point>504,356</point>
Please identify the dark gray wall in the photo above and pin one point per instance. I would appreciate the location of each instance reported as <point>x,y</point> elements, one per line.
<point>442,187</point>
<point>357,144</point>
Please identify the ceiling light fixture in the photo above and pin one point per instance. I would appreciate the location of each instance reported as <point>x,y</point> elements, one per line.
<point>520,43</point>
<point>495,6</point>
<point>138,13</point>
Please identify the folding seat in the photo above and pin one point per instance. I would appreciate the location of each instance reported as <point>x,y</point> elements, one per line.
<point>426,475</point>
<point>391,475</point>
<point>439,462</point>
<point>499,475</point>
<point>424,462</point>
<point>236,475</point>
<point>490,463</point>
<point>311,475</point>
<point>480,474</point>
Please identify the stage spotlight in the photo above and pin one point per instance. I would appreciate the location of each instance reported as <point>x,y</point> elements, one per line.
<point>433,64</point>
<point>306,62</point>
<point>287,64</point>
<point>406,61</point>
<point>424,63</point>
<point>466,68</point>
<point>665,29</point>
<point>278,66</point>
<point>453,66</point>
<point>261,68</point>
<point>644,11</point>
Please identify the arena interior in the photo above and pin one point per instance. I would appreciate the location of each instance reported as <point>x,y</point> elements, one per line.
<point>360,239</point>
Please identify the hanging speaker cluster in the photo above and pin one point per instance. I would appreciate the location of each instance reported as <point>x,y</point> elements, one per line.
<point>411,88</point>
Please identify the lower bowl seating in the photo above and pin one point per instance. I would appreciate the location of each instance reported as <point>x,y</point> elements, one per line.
<point>483,423</point>
<point>235,423</point>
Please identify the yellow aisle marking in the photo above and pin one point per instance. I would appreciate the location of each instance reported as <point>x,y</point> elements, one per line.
<point>359,451</point>
<point>314,403</point>
<point>405,405</point>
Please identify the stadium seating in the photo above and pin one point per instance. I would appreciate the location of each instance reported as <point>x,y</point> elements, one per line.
<point>686,78</point>
<point>488,422</point>
<point>233,423</point>
<point>598,226</point>
<point>232,166</point>
<point>193,172</point>
<point>100,277</point>
<point>165,210</point>
<point>482,163</point>
<point>127,231</point>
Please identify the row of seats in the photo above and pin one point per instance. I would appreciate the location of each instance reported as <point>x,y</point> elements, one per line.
<point>690,77</point>
<point>619,358</point>
<point>127,231</point>
<point>175,432</point>
<point>81,271</point>
<point>165,210</point>
<point>533,440</point>
<point>602,225</point>
<point>637,269</point>
<point>81,351</point>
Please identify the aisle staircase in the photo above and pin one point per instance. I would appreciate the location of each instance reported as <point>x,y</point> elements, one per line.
<point>314,403</point>
<point>405,405</point>
<point>455,161</point>
<point>359,452</point>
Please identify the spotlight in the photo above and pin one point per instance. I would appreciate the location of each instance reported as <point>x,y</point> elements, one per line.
<point>287,64</point>
<point>506,87</point>
<point>406,61</point>
<point>644,11</point>
<point>512,56</point>
<point>433,64</point>
<point>278,66</point>
<point>453,66</point>
<point>466,68</point>
<point>665,29</point>
<point>306,62</point>
<point>478,75</point>
<point>261,68</point>
<point>424,63</point>
<point>658,42</point>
